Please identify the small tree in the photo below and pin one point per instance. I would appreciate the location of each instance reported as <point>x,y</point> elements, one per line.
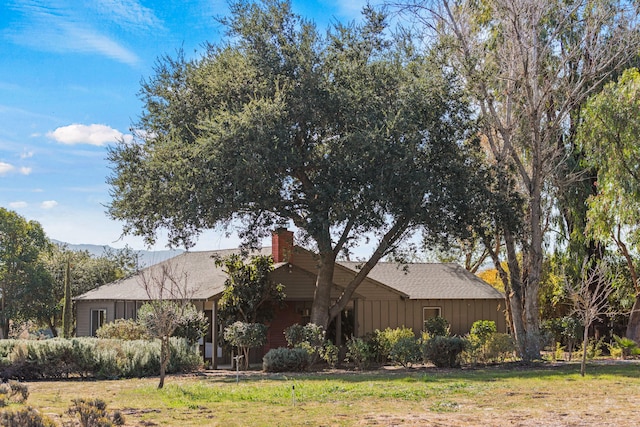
<point>246,336</point>
<point>249,295</point>
<point>169,295</point>
<point>590,300</point>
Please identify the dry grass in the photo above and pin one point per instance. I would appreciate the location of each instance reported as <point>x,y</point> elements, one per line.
<point>545,394</point>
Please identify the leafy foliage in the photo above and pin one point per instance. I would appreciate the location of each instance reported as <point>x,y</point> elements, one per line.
<point>406,351</point>
<point>444,352</point>
<point>249,295</point>
<point>385,340</point>
<point>285,360</point>
<point>310,337</point>
<point>345,136</point>
<point>25,285</point>
<point>93,413</point>
<point>361,352</point>
<point>121,329</point>
<point>437,326</point>
<point>246,336</point>
<point>25,417</point>
<point>91,358</point>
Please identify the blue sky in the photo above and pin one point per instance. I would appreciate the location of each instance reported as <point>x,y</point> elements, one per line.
<point>69,76</point>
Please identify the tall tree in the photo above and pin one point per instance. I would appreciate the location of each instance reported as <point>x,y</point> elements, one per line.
<point>22,277</point>
<point>348,137</point>
<point>609,136</point>
<point>82,272</point>
<point>529,64</point>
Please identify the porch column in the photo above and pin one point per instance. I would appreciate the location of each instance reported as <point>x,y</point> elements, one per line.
<point>214,335</point>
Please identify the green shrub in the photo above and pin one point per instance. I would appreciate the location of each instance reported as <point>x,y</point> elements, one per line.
<point>93,413</point>
<point>437,327</point>
<point>624,347</point>
<point>386,339</point>
<point>330,353</point>
<point>361,352</point>
<point>443,351</point>
<point>285,360</point>
<point>406,351</point>
<point>25,417</point>
<point>483,329</point>
<point>122,329</point>
<point>310,337</point>
<point>499,347</point>
<point>90,357</point>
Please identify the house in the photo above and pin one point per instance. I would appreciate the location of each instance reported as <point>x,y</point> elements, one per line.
<point>391,296</point>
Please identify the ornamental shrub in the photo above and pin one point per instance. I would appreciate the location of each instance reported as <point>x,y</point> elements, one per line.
<point>310,337</point>
<point>499,347</point>
<point>122,329</point>
<point>483,329</point>
<point>437,327</point>
<point>443,351</point>
<point>285,360</point>
<point>406,351</point>
<point>93,358</point>
<point>386,339</point>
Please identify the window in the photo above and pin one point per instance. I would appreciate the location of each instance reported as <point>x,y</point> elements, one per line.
<point>428,313</point>
<point>98,318</point>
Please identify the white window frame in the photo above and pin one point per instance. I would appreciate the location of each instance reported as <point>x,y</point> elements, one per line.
<point>104,319</point>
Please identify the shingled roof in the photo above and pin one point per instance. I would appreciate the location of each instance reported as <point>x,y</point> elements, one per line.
<point>430,280</point>
<point>205,280</point>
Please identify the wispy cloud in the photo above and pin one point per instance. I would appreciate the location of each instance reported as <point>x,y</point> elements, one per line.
<point>26,154</point>
<point>25,170</point>
<point>5,168</point>
<point>87,134</point>
<point>66,26</point>
<point>48,204</point>
<point>18,205</point>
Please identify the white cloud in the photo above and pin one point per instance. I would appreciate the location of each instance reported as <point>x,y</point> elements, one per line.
<point>128,13</point>
<point>5,168</point>
<point>25,170</point>
<point>48,204</point>
<point>67,27</point>
<point>92,134</point>
<point>26,154</point>
<point>18,205</point>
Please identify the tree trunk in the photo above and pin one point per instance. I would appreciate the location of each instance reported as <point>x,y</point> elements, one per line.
<point>515,295</point>
<point>585,338</point>
<point>633,327</point>
<point>322,294</point>
<point>164,359</point>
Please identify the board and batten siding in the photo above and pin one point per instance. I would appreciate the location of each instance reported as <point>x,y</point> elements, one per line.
<point>83,314</point>
<point>380,314</point>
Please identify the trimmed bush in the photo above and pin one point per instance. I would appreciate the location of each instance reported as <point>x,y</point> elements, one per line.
<point>437,327</point>
<point>483,329</point>
<point>285,360</point>
<point>122,329</point>
<point>406,351</point>
<point>443,352</point>
<point>309,337</point>
<point>25,417</point>
<point>386,339</point>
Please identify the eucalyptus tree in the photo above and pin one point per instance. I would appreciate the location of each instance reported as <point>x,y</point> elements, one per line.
<point>529,65</point>
<point>609,136</point>
<point>348,136</point>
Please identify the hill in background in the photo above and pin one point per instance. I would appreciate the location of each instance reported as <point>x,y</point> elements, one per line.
<point>147,258</point>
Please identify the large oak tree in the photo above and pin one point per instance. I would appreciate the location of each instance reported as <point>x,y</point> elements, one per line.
<point>349,136</point>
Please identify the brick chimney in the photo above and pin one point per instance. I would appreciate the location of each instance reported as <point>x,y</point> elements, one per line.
<point>282,245</point>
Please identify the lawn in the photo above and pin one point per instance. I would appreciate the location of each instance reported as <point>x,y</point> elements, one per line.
<point>511,395</point>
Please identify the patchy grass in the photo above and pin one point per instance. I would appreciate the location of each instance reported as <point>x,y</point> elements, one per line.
<point>543,394</point>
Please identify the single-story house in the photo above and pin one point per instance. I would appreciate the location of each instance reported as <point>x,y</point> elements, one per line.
<point>392,295</point>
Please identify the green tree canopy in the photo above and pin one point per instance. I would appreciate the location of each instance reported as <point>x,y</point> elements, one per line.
<point>23,280</point>
<point>348,137</point>
<point>609,136</point>
<point>249,295</point>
